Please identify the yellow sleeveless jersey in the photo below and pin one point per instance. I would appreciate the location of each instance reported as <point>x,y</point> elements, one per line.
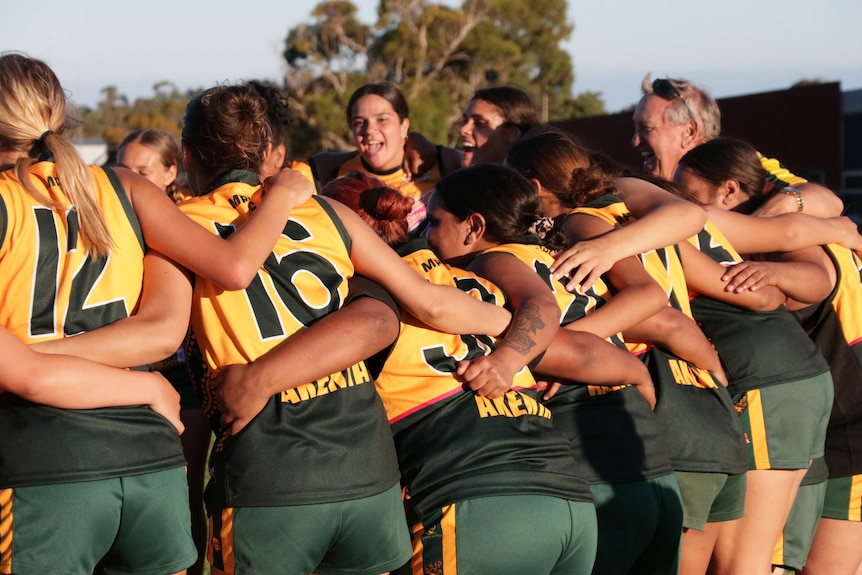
<point>715,244</point>
<point>658,263</point>
<point>51,288</point>
<point>333,429</point>
<point>453,444</point>
<point>412,188</point>
<point>420,369</point>
<point>303,278</point>
<point>683,388</point>
<point>665,267</point>
<point>743,338</point>
<point>847,302</point>
<point>573,305</point>
<point>835,326</point>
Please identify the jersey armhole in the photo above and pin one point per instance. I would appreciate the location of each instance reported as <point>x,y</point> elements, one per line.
<point>339,225</point>
<point>4,218</point>
<point>123,196</point>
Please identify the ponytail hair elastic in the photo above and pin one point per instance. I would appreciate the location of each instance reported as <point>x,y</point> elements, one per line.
<point>39,145</point>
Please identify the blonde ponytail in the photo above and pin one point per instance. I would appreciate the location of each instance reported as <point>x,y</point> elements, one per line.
<point>32,121</point>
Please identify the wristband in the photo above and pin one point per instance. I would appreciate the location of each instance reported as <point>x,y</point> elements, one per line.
<point>800,204</point>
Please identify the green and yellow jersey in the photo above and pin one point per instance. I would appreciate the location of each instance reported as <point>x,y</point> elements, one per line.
<point>757,349</point>
<point>611,429</point>
<point>53,289</point>
<point>453,444</point>
<point>413,188</point>
<point>334,429</point>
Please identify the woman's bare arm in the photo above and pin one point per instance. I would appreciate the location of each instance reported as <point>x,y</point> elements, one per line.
<point>636,295</point>
<point>350,335</point>
<point>802,275</point>
<point>680,335</point>
<point>576,356</point>
<point>151,334</point>
<point>784,233</point>
<point>535,321</point>
<point>232,262</point>
<point>704,275</point>
<point>73,383</point>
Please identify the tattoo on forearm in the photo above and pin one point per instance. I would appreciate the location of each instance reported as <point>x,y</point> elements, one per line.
<point>526,322</point>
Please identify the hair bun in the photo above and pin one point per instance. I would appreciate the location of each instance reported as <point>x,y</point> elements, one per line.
<point>385,204</point>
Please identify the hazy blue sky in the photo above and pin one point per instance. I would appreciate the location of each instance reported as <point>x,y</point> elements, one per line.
<point>733,47</point>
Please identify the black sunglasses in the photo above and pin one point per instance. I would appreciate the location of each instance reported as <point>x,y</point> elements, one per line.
<point>664,88</point>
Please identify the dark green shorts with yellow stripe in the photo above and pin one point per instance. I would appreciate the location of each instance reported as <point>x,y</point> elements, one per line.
<point>366,536</point>
<point>843,499</point>
<point>785,424</point>
<point>507,535</point>
<point>136,525</point>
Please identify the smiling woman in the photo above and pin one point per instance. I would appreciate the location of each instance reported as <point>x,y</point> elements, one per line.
<point>494,119</point>
<point>379,124</point>
<point>379,120</point>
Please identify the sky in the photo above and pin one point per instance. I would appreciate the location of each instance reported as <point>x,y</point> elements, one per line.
<point>731,48</point>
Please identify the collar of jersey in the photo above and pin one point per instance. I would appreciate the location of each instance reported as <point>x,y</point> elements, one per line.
<point>235,176</point>
<point>378,172</point>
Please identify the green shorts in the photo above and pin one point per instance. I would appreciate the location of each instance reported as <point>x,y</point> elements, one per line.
<point>843,499</point>
<point>507,535</point>
<point>640,526</point>
<point>366,536</point>
<point>710,497</point>
<point>793,545</point>
<point>785,424</point>
<point>132,525</point>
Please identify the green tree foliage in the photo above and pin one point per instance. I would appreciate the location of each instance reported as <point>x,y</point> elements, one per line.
<point>438,54</point>
<point>538,27</point>
<point>114,116</point>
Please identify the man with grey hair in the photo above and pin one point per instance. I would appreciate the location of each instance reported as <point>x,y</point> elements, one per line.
<point>674,115</point>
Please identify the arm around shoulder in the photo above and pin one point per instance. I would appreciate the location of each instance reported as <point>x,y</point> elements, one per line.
<point>808,197</point>
<point>233,262</point>
<point>704,275</point>
<point>154,332</point>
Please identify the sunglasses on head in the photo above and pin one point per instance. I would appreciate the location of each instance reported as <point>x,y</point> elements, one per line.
<point>664,88</point>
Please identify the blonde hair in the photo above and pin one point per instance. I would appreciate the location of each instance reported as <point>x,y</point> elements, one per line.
<point>32,121</point>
